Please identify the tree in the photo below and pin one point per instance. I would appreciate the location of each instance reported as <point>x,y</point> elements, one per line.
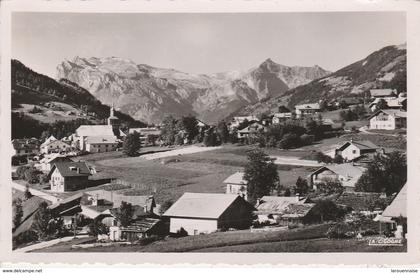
<point>46,223</point>
<point>385,173</point>
<point>96,227</point>
<point>124,214</point>
<point>223,131</point>
<point>165,206</point>
<point>190,125</point>
<point>131,144</point>
<point>18,212</point>
<point>261,174</point>
<point>288,141</point>
<point>321,157</point>
<point>329,186</point>
<point>151,139</point>
<point>338,159</point>
<point>210,138</point>
<point>302,186</point>
<point>168,131</point>
<point>381,104</point>
<point>324,210</point>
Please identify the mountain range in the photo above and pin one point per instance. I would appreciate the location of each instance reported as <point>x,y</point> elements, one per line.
<point>149,94</point>
<point>384,68</point>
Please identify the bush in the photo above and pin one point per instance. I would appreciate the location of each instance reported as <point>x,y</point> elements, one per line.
<point>307,139</point>
<point>340,231</point>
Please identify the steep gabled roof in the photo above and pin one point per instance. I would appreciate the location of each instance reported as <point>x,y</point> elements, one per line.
<point>314,106</point>
<point>201,205</point>
<point>398,207</point>
<point>353,173</point>
<point>277,204</point>
<point>361,144</point>
<point>391,112</point>
<point>71,169</point>
<point>101,139</point>
<point>95,130</point>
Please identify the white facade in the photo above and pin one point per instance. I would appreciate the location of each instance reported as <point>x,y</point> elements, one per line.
<point>193,226</point>
<point>385,121</point>
<point>351,152</point>
<point>57,181</point>
<point>55,146</point>
<point>278,117</point>
<point>101,147</point>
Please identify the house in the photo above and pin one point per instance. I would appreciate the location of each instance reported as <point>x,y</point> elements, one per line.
<point>307,109</point>
<point>109,217</point>
<point>48,161</point>
<point>68,176</point>
<point>362,202</point>
<point>251,130</point>
<point>279,117</point>
<point>138,229</point>
<point>239,119</point>
<point>146,134</point>
<point>398,103</point>
<point>92,206</point>
<point>196,213</point>
<point>235,184</point>
<point>388,119</point>
<point>67,209</point>
<point>112,129</point>
<point>347,174</point>
<point>25,147</point>
<point>101,144</point>
<point>396,212</point>
<point>295,214</point>
<point>117,193</point>
<point>352,149</point>
<point>383,93</point>
<point>55,146</point>
<point>271,208</point>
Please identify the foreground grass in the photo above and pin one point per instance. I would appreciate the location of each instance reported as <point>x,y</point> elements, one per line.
<point>312,245</point>
<point>214,240</point>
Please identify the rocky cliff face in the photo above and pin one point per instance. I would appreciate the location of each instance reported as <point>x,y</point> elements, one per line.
<point>148,93</point>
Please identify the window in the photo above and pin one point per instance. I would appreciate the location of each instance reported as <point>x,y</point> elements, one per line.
<point>354,151</point>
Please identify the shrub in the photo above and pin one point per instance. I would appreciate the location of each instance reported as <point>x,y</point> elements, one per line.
<point>340,231</point>
<point>307,139</point>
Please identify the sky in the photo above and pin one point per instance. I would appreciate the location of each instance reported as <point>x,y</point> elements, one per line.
<point>206,42</point>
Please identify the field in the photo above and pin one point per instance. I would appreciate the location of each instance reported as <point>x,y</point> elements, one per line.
<point>168,178</point>
<point>306,239</point>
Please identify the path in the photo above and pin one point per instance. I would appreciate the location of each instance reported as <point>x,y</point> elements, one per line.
<point>182,151</point>
<point>287,160</point>
<point>41,194</point>
<point>48,243</point>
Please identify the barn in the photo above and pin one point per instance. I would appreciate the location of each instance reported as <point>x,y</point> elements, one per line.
<point>197,213</point>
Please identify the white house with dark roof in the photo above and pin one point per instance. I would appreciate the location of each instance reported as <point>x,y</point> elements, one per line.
<point>55,146</point>
<point>352,149</point>
<point>251,130</point>
<point>197,213</point>
<point>307,109</point>
<point>235,184</point>
<point>69,176</point>
<point>388,119</point>
<point>347,174</point>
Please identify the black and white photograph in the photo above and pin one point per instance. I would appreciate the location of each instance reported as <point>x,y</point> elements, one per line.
<point>208,132</point>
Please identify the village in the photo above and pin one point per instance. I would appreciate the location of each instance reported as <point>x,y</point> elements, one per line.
<point>323,172</point>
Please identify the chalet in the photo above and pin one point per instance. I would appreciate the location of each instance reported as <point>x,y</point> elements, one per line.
<point>271,208</point>
<point>25,147</point>
<point>101,144</point>
<point>196,213</point>
<point>352,149</point>
<point>239,119</point>
<point>295,214</point>
<point>67,209</point>
<point>383,93</point>
<point>109,217</point>
<point>307,109</point>
<point>47,162</point>
<point>92,206</point>
<point>347,174</point>
<point>391,103</point>
<point>396,212</point>
<point>138,229</point>
<point>235,184</point>
<point>388,119</point>
<point>146,134</point>
<point>117,193</point>
<point>362,202</point>
<point>55,146</point>
<point>279,117</point>
<point>69,176</point>
<point>251,130</point>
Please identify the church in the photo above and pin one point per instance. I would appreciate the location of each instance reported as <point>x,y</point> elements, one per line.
<point>100,138</point>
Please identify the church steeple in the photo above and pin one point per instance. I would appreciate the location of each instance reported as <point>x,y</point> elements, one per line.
<point>112,120</point>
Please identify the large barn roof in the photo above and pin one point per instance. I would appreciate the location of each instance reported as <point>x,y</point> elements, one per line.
<point>201,205</point>
<point>398,207</point>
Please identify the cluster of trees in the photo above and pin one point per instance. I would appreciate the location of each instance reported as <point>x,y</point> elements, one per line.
<point>321,157</point>
<point>132,144</point>
<point>31,174</point>
<point>386,173</point>
<point>356,113</point>
<point>176,131</point>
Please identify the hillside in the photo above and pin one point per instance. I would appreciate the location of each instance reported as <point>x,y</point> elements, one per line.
<point>39,101</point>
<point>149,93</point>
<point>385,68</point>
